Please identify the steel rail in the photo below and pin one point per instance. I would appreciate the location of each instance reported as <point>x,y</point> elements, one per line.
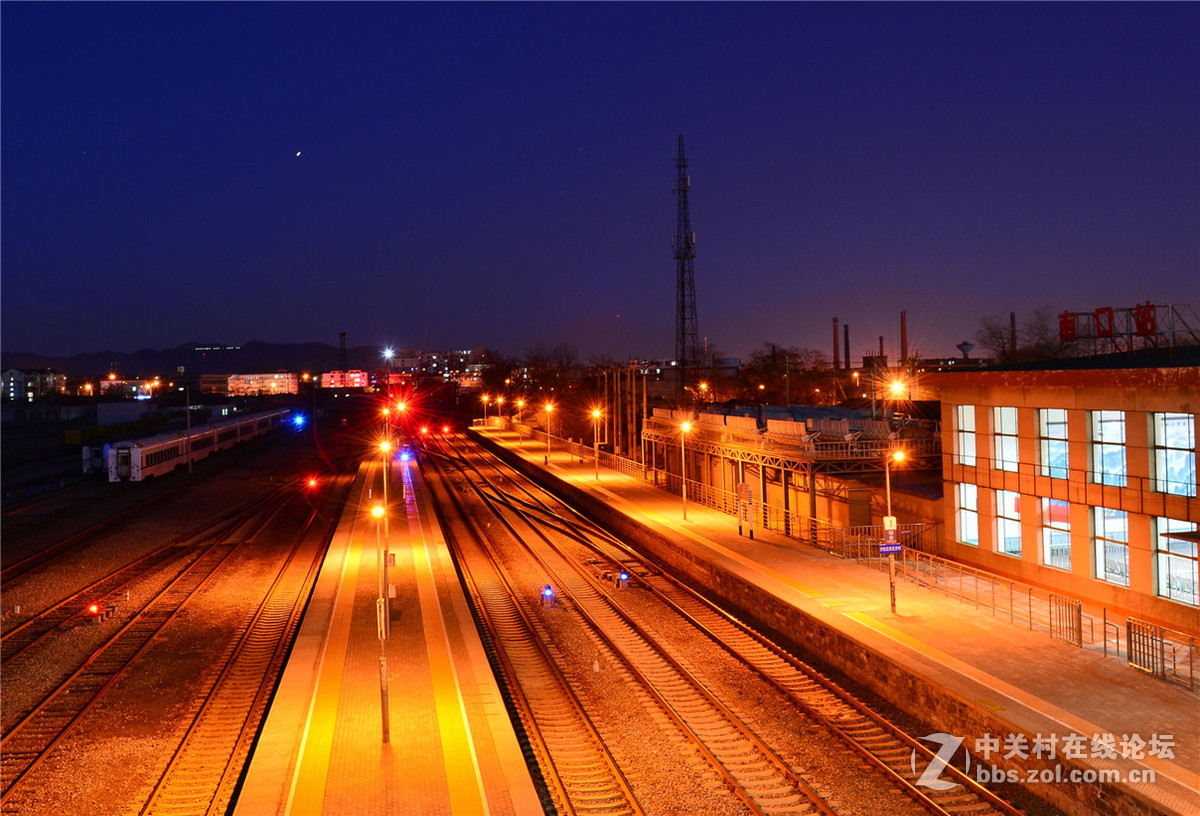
<point>687,701</point>
<point>535,683</point>
<point>863,742</point>
<point>227,715</point>
<point>28,742</point>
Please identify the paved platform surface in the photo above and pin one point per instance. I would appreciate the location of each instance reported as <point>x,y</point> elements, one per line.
<point>452,749</point>
<point>1036,684</point>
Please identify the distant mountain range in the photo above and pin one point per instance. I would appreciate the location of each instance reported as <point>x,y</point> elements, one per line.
<point>200,358</point>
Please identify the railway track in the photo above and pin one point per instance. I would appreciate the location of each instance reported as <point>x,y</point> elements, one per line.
<point>35,733</point>
<point>203,771</point>
<point>107,591</point>
<point>589,558</point>
<point>733,752</point>
<point>580,772</point>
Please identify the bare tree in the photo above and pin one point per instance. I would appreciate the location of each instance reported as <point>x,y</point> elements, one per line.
<point>1035,340</point>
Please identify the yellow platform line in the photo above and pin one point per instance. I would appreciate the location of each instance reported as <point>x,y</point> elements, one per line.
<point>307,791</point>
<point>457,742</point>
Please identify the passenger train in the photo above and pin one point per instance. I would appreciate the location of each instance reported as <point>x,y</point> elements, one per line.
<point>139,459</point>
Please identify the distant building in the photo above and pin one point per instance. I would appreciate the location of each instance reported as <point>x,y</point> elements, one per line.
<point>214,384</point>
<point>1076,480</point>
<point>30,384</point>
<point>254,385</point>
<point>345,379</point>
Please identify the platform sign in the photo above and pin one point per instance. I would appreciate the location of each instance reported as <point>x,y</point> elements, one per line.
<point>745,507</point>
<point>891,544</point>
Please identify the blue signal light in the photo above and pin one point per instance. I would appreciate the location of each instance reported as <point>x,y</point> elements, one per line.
<point>547,591</point>
<point>298,420</point>
<point>624,575</point>
<point>405,456</point>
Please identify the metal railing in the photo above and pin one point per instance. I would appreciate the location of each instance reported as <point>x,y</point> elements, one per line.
<point>1165,653</point>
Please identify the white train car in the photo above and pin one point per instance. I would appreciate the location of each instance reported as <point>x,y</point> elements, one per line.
<point>138,460</point>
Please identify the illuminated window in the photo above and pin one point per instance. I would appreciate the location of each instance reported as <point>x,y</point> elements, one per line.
<point>1175,562</point>
<point>1108,447</point>
<point>965,434</point>
<point>967,514</point>
<point>1175,454</point>
<point>1112,545</point>
<point>1056,533</point>
<point>1053,442</point>
<point>1005,432</point>
<point>1008,523</point>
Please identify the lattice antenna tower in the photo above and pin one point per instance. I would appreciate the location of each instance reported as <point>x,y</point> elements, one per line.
<point>687,345</point>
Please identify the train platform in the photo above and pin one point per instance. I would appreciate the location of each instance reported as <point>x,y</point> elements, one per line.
<point>451,748</point>
<point>1013,691</point>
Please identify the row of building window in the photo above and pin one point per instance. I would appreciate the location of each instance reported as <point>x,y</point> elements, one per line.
<point>1175,560</point>
<point>1174,452</point>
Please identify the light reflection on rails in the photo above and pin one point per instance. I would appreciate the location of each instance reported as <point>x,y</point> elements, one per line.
<point>753,771</point>
<point>33,737</point>
<point>881,744</point>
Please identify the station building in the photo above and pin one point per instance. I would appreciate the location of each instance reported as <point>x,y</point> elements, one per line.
<point>1077,480</point>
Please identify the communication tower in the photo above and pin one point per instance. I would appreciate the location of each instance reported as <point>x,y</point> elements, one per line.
<point>687,345</point>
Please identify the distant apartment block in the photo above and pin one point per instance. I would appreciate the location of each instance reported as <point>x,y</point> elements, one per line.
<point>255,385</point>
<point>1082,481</point>
<point>345,379</point>
<point>30,384</point>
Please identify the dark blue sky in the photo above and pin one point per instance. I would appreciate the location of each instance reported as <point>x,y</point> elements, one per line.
<point>500,174</point>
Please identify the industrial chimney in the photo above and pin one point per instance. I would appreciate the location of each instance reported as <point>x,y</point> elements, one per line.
<point>837,363</point>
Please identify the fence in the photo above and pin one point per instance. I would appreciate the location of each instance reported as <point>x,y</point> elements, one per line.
<point>1162,652</point>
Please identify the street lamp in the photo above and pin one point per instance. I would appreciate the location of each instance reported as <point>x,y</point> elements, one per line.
<point>889,521</point>
<point>684,428</point>
<point>549,412</point>
<point>485,402</point>
<point>381,620</point>
<point>385,448</point>
<point>596,439</point>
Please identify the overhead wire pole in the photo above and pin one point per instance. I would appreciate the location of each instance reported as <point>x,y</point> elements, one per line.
<point>684,243</point>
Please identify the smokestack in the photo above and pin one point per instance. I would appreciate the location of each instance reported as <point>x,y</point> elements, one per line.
<point>903,336</point>
<point>881,347</point>
<point>837,363</point>
<point>846,343</point>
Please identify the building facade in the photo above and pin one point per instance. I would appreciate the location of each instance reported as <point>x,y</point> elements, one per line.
<point>1077,481</point>
<point>30,384</point>
<point>252,385</point>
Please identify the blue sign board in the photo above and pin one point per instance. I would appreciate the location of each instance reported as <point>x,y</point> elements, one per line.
<point>891,544</point>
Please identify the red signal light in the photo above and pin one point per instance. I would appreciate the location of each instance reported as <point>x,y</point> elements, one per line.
<point>312,482</point>
<point>94,609</point>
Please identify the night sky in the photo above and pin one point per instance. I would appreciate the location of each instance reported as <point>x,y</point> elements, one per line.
<point>461,175</point>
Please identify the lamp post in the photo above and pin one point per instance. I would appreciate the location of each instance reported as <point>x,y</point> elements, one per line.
<point>385,447</point>
<point>499,407</point>
<point>683,429</point>
<point>889,522</point>
<point>485,402</point>
<point>549,412</point>
<point>596,439</point>
<point>381,621</point>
